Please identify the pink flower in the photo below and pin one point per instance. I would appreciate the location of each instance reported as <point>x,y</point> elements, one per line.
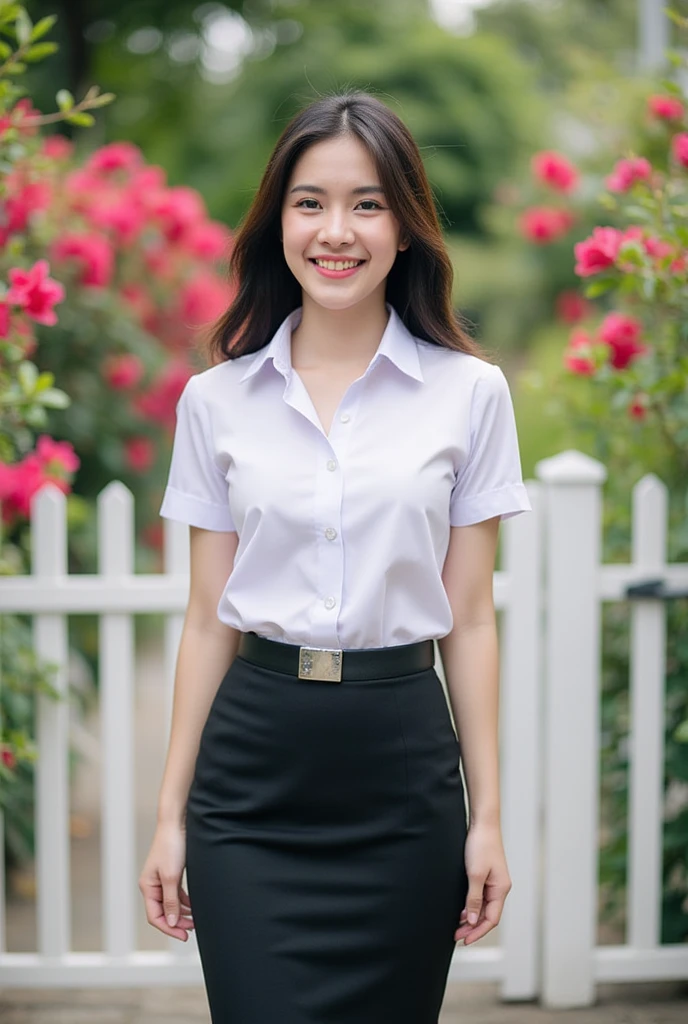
<point>544,224</point>
<point>627,173</point>
<point>597,252</point>
<point>666,108</point>
<point>207,240</point>
<point>177,210</point>
<point>554,170</point>
<point>116,156</point>
<point>679,148</point>
<point>23,113</point>
<point>57,147</point>
<point>203,298</point>
<point>638,407</point>
<point>122,372</point>
<point>622,333</point>
<point>657,248</point>
<point>18,484</point>
<point>571,307</point>
<point>160,401</point>
<point>56,457</point>
<point>35,292</point>
<point>4,319</point>
<point>7,757</point>
<point>120,216</point>
<point>139,453</point>
<point>578,356</point>
<point>92,252</point>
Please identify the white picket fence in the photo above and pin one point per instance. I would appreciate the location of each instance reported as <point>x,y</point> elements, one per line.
<point>549,589</point>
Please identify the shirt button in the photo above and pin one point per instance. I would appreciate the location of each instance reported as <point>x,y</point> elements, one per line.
<point>330,533</point>
<point>345,417</point>
<point>330,602</point>
<point>331,465</point>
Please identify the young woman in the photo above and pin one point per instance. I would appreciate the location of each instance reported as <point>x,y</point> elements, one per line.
<point>343,466</point>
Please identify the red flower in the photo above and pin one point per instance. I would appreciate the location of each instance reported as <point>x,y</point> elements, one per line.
<point>7,757</point>
<point>56,457</point>
<point>121,216</point>
<point>35,292</point>
<point>116,156</point>
<point>203,298</point>
<point>622,334</point>
<point>571,307</point>
<point>57,147</point>
<point>638,407</point>
<point>159,403</point>
<point>627,172</point>
<point>122,372</point>
<point>208,240</point>
<point>177,210</point>
<point>544,224</point>
<point>139,453</point>
<point>679,148</point>
<point>554,170</point>
<point>92,252</point>
<point>667,108</point>
<point>18,484</point>
<point>597,252</point>
<point>4,319</point>
<point>578,355</point>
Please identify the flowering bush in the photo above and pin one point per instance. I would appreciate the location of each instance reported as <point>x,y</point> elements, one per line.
<point>624,389</point>
<point>107,273</point>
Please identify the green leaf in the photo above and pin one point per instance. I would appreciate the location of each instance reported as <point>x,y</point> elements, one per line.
<point>681,732</point>
<point>65,100</point>
<point>100,101</point>
<point>15,69</point>
<point>598,288</point>
<point>43,26</point>
<point>5,50</point>
<point>27,375</point>
<point>23,26</point>
<point>40,51</point>
<point>45,380</point>
<point>53,398</point>
<point>80,117</point>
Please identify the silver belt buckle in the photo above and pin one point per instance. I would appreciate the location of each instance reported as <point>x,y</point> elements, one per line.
<point>322,663</point>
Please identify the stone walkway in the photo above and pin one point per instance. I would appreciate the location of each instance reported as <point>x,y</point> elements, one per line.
<point>464,1004</point>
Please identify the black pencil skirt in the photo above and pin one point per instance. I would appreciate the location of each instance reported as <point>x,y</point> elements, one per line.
<point>325,849</point>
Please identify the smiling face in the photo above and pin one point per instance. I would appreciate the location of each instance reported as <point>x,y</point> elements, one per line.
<point>334,209</point>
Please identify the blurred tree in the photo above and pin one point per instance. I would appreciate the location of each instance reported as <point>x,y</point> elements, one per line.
<point>205,90</point>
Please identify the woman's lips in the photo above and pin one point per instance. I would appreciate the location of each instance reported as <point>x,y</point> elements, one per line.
<point>337,273</point>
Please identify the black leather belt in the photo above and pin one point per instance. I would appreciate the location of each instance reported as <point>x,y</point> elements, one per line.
<point>333,665</point>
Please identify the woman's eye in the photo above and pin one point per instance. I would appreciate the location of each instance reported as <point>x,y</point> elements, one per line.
<point>375,205</point>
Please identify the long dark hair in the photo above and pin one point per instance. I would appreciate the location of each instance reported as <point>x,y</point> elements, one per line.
<point>419,284</point>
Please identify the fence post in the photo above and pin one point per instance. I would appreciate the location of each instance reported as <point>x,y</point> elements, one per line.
<point>572,500</point>
<point>521,733</point>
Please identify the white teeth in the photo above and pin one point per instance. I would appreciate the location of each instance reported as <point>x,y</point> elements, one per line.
<point>333,265</point>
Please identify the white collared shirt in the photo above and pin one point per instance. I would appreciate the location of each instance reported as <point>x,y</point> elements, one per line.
<point>342,538</point>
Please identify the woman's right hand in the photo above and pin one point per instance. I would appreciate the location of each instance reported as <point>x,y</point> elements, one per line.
<point>160,883</point>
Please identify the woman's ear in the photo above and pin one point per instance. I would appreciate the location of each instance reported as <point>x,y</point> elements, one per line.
<point>404,243</point>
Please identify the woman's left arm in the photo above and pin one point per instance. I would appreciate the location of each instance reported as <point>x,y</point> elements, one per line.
<point>470,657</point>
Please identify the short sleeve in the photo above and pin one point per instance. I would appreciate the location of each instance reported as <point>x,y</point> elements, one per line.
<point>490,483</point>
<point>196,491</point>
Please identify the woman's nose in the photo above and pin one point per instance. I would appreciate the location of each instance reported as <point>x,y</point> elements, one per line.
<point>335,229</point>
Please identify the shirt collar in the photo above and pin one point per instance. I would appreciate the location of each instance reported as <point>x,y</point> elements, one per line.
<point>397,344</point>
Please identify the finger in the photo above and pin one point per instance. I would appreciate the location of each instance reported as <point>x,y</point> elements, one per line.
<point>170,900</point>
<point>156,917</point>
<point>477,933</point>
<point>474,900</point>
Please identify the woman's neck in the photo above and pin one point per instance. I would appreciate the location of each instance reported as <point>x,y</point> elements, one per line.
<point>346,337</point>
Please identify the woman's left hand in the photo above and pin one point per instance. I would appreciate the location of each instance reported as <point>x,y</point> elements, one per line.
<point>488,881</point>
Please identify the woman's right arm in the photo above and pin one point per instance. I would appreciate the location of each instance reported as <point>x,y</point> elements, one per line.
<point>206,650</point>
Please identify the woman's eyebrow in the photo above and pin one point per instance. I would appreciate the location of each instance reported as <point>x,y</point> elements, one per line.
<point>323,191</point>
